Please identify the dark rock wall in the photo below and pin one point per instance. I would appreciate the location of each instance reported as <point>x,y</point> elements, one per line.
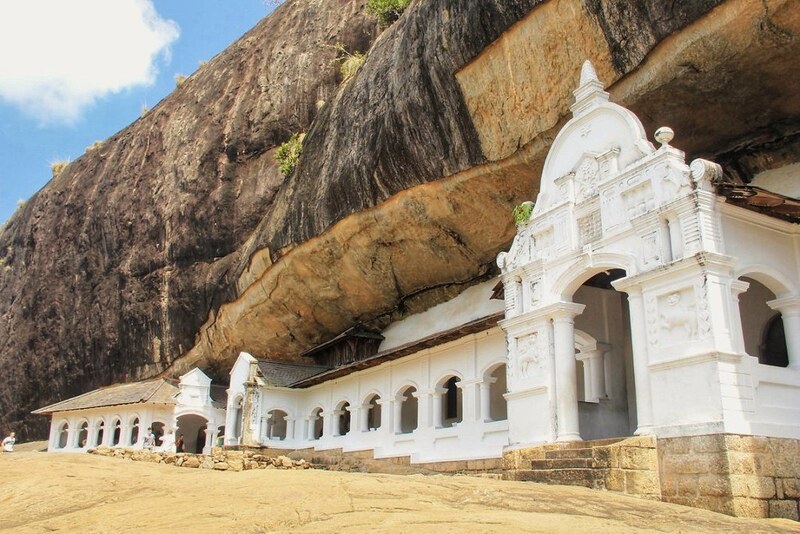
<point>112,267</point>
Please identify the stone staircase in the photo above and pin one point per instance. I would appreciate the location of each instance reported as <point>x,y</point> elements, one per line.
<point>582,463</point>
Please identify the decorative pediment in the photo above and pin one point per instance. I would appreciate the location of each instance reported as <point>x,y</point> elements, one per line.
<point>601,139</point>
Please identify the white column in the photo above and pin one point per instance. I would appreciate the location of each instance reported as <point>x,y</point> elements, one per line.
<point>790,313</point>
<point>566,373</point>
<point>124,435</point>
<point>397,414</point>
<point>209,440</point>
<point>327,423</point>
<point>363,418</point>
<point>470,400</point>
<point>737,288</point>
<point>290,426</point>
<point>486,399</point>
<point>309,428</point>
<point>641,373</point>
<point>335,420</point>
<point>435,398</point>
<point>386,427</point>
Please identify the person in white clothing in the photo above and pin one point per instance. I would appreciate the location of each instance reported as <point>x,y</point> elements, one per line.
<point>168,442</point>
<point>8,442</point>
<point>149,440</point>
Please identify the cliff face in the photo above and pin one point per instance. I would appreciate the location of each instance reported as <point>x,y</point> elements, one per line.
<point>178,242</point>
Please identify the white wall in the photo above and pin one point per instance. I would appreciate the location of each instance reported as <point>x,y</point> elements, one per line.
<point>472,304</point>
<point>469,358</point>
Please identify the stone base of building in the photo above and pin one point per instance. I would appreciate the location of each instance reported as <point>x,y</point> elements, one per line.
<point>745,476</point>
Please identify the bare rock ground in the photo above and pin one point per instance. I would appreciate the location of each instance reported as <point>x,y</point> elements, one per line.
<point>75,492</point>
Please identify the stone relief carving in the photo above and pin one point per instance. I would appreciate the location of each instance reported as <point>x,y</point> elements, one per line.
<point>703,314</point>
<point>589,228</point>
<point>650,249</point>
<point>535,287</point>
<point>613,207</point>
<point>677,317</point>
<point>586,179</point>
<point>639,200</point>
<point>652,320</point>
<point>673,181</point>
<point>529,354</point>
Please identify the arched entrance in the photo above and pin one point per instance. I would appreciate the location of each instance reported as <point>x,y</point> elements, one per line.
<point>63,435</point>
<point>98,438</point>
<point>193,428</point>
<point>451,402</point>
<point>317,424</point>
<point>604,354</point>
<point>276,425</point>
<point>409,411</point>
<point>373,411</point>
<point>762,327</point>
<point>496,406</point>
<point>158,431</point>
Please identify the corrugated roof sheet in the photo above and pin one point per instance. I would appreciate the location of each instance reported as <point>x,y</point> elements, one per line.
<point>281,374</point>
<point>159,391</point>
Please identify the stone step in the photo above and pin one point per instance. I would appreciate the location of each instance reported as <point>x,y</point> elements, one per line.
<point>564,477</point>
<point>568,453</point>
<point>562,463</point>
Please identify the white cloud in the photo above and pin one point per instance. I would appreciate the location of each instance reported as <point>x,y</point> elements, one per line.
<point>57,57</point>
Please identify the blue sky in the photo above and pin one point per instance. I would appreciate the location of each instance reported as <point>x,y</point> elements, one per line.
<point>74,72</point>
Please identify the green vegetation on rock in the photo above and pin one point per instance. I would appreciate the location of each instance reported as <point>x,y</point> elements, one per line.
<point>387,11</point>
<point>289,152</point>
<point>57,167</point>
<point>349,63</point>
<point>522,212</point>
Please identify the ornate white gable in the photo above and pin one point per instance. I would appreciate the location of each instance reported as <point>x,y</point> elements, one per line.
<point>605,189</point>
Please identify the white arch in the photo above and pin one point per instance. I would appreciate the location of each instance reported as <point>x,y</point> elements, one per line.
<point>405,385</point>
<point>490,368</point>
<point>584,268</point>
<point>280,408</point>
<point>371,393</point>
<point>447,375</point>
<point>773,279</point>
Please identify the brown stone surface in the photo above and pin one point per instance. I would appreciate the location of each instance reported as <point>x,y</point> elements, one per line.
<point>41,493</point>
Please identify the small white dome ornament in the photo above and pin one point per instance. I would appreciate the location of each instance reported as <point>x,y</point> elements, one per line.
<point>664,135</point>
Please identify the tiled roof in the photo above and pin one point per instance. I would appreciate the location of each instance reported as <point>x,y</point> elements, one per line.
<point>159,391</point>
<point>281,374</point>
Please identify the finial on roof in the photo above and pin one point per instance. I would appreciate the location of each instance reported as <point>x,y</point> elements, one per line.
<point>588,73</point>
<point>589,93</point>
<point>664,135</point>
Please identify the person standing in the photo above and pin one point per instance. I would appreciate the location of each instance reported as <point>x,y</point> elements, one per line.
<point>168,442</point>
<point>8,442</point>
<point>149,440</point>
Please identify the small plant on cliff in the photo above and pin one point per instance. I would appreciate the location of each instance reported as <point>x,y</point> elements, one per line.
<point>522,213</point>
<point>289,152</point>
<point>387,11</point>
<point>58,167</point>
<point>179,79</point>
<point>349,63</point>
<point>94,146</point>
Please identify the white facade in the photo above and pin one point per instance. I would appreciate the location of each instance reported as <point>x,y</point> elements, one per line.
<point>398,408</point>
<point>183,408</point>
<point>613,205</point>
<point>111,426</point>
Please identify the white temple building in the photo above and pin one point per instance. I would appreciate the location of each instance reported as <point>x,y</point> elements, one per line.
<point>119,415</point>
<point>642,295</point>
<point>637,301</point>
